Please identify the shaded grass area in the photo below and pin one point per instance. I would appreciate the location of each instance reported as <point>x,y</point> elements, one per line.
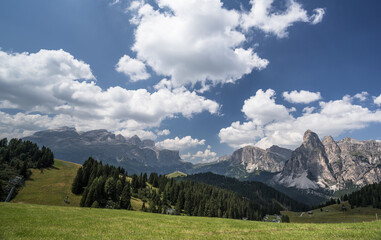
<point>50,187</point>
<point>336,215</point>
<point>26,221</point>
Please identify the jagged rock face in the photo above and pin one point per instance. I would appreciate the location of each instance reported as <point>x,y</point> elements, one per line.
<point>133,154</point>
<point>270,160</point>
<point>360,161</point>
<point>332,165</point>
<point>253,158</point>
<point>309,166</point>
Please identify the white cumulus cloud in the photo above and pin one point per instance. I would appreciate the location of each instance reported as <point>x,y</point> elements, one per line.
<point>60,90</point>
<point>133,68</point>
<point>201,41</point>
<point>201,156</point>
<point>163,132</point>
<point>265,17</point>
<point>193,41</point>
<point>377,100</point>
<point>180,143</point>
<point>301,97</point>
<point>266,128</point>
<point>361,96</point>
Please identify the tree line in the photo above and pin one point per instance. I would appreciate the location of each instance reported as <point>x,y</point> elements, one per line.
<point>16,159</point>
<point>269,200</point>
<point>106,186</point>
<point>369,195</point>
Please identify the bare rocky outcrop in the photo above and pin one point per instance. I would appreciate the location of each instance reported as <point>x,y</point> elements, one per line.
<point>332,165</point>
<point>309,165</point>
<point>254,158</point>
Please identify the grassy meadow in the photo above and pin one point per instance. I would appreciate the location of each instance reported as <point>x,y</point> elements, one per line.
<point>334,214</point>
<point>50,187</point>
<point>29,221</point>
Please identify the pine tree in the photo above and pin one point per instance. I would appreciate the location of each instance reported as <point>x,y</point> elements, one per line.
<point>24,170</point>
<point>110,188</point>
<point>84,196</point>
<point>119,188</point>
<point>125,198</point>
<point>6,156</point>
<point>77,187</point>
<point>1,192</point>
<point>90,198</point>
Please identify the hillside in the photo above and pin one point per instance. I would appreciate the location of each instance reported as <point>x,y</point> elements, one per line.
<point>264,195</point>
<point>176,174</point>
<point>53,222</point>
<point>51,186</point>
<point>334,214</point>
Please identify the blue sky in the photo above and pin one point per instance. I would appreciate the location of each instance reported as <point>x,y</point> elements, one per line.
<point>233,71</point>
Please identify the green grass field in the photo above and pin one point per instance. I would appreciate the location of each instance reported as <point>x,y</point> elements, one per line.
<point>50,187</point>
<point>176,174</point>
<point>335,215</point>
<point>27,221</point>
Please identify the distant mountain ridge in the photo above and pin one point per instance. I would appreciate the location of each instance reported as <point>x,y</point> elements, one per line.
<point>133,154</point>
<point>248,160</point>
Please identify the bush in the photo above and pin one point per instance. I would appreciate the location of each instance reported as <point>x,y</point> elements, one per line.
<point>285,218</point>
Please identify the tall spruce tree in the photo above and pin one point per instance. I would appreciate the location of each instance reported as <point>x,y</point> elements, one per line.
<point>77,187</point>
<point>110,188</point>
<point>125,198</point>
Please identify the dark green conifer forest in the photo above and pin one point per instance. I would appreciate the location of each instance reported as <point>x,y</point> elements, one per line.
<point>369,195</point>
<point>16,159</point>
<point>110,187</point>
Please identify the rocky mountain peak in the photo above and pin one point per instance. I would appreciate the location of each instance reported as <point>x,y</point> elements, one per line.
<point>311,140</point>
<point>135,140</point>
<point>328,140</point>
<point>309,166</point>
<point>331,146</point>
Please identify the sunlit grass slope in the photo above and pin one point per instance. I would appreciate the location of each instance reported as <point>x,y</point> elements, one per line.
<point>334,214</point>
<point>26,221</point>
<point>50,187</point>
<point>176,174</point>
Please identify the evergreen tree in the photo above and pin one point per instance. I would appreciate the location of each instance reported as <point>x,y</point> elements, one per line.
<point>77,187</point>
<point>110,188</point>
<point>125,198</point>
<point>84,196</point>
<point>119,188</point>
<point>1,193</point>
<point>90,198</point>
<point>24,170</point>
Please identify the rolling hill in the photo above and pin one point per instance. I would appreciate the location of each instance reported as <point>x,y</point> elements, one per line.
<point>50,187</point>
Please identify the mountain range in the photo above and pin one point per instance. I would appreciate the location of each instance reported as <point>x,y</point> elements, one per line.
<point>133,154</point>
<point>311,172</point>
